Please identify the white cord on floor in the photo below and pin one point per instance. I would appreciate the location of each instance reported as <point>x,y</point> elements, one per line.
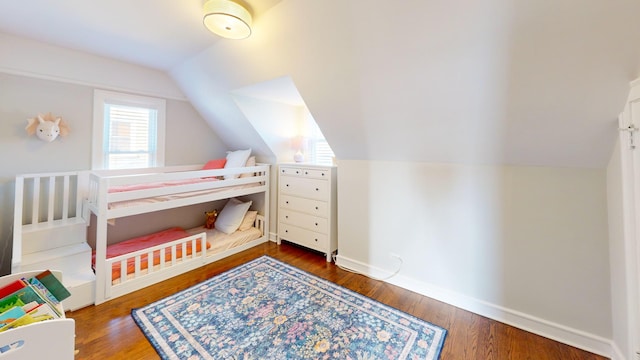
<point>369,276</point>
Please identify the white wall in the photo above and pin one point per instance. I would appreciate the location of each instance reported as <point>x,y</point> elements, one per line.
<point>276,122</point>
<point>22,56</point>
<point>523,245</point>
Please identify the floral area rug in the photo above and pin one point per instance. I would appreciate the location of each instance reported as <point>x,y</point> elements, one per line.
<point>266,309</point>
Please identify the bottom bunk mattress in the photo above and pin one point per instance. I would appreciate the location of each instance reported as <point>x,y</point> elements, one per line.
<point>220,241</point>
<point>143,242</point>
<point>217,242</point>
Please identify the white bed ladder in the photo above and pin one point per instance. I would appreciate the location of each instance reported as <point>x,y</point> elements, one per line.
<point>50,231</point>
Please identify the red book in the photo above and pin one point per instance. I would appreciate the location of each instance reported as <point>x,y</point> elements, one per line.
<point>11,288</point>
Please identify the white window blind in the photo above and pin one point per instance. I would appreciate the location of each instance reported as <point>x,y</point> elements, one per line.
<point>319,149</point>
<point>130,137</point>
<point>322,153</point>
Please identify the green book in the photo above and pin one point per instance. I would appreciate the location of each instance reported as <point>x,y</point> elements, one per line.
<point>9,302</point>
<point>28,294</point>
<point>54,285</point>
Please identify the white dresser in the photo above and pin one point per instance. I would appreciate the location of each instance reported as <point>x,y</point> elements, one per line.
<point>307,206</point>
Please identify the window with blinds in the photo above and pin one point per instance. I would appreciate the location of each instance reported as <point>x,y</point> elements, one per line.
<point>130,137</point>
<point>128,131</point>
<point>322,153</point>
<point>319,150</point>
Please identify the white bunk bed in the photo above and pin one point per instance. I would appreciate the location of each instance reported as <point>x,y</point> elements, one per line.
<point>122,193</point>
<point>53,211</point>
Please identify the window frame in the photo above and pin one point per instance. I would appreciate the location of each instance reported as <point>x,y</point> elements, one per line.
<point>314,153</point>
<point>102,97</point>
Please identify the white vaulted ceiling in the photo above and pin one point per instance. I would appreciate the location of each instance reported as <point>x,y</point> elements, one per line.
<point>527,82</point>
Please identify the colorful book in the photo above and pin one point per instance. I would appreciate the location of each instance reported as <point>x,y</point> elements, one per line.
<point>11,315</point>
<point>43,290</point>
<point>11,288</point>
<point>9,302</point>
<point>23,320</point>
<point>43,312</point>
<point>47,295</point>
<point>29,294</point>
<point>30,306</point>
<point>54,285</point>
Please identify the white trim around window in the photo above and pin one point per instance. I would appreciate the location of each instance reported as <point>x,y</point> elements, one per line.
<point>102,98</point>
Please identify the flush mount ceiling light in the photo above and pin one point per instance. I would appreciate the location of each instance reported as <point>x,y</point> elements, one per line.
<point>227,19</point>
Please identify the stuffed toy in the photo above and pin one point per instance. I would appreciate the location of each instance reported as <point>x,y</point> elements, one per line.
<point>211,219</point>
<point>47,127</point>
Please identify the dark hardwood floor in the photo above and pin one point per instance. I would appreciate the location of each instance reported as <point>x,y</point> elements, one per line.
<point>107,331</point>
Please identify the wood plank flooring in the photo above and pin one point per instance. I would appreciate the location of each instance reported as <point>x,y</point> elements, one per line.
<point>107,331</point>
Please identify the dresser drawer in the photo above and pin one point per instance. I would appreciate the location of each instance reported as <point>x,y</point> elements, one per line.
<point>309,222</point>
<point>315,173</point>
<point>308,188</point>
<point>313,207</point>
<point>305,172</point>
<point>303,237</point>
<point>291,171</point>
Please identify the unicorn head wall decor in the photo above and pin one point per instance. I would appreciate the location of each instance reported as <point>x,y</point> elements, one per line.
<point>47,127</point>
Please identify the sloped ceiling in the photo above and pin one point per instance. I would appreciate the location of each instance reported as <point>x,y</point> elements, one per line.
<point>518,82</point>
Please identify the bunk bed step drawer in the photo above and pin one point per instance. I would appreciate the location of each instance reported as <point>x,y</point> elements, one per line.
<point>47,236</point>
<point>66,259</point>
<point>82,286</point>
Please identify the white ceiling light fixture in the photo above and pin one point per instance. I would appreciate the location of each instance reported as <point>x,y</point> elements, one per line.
<point>227,19</point>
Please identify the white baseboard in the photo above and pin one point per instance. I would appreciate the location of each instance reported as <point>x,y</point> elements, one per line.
<point>616,354</point>
<point>558,332</point>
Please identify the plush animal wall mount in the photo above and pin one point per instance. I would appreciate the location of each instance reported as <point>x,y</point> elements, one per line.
<point>211,217</point>
<point>47,127</point>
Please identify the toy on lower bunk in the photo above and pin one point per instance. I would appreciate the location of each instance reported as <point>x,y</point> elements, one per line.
<point>210,219</point>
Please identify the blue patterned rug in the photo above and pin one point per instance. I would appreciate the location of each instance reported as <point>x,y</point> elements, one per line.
<point>266,309</point>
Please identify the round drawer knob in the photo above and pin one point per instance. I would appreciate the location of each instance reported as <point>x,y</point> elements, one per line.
<point>316,208</point>
<point>316,240</point>
<point>287,201</point>
<point>316,188</point>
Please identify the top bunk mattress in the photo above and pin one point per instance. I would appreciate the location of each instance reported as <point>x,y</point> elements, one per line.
<point>177,195</point>
<point>129,193</point>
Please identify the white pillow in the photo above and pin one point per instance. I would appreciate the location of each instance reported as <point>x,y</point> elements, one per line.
<point>251,161</point>
<point>231,215</point>
<point>249,219</point>
<point>236,159</point>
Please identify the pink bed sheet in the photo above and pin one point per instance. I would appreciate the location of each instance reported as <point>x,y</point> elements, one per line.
<point>143,242</point>
<point>154,185</point>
